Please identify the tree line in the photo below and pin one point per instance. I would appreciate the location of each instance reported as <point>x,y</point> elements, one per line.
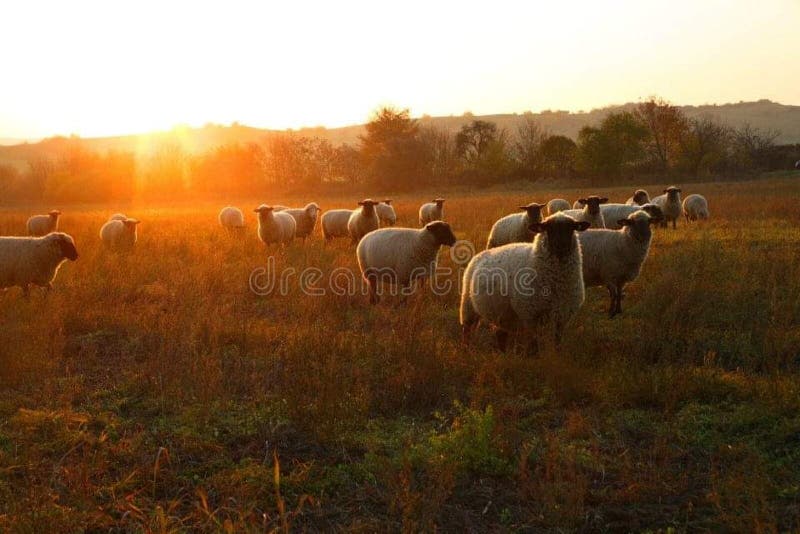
<point>654,142</point>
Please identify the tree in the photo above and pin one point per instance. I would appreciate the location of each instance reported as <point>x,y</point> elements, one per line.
<point>439,157</point>
<point>617,144</point>
<point>527,148</point>
<point>703,145</point>
<point>558,154</point>
<point>483,148</point>
<point>665,124</point>
<point>753,148</point>
<point>390,148</point>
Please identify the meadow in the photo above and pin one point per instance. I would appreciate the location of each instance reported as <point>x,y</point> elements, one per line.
<point>155,391</point>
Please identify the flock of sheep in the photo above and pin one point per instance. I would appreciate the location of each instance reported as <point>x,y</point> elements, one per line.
<point>530,278</point>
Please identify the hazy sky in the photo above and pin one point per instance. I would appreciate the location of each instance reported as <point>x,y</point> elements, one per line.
<point>120,66</point>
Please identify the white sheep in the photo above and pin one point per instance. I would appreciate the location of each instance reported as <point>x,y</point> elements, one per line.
<point>40,225</point>
<point>431,211</point>
<point>639,198</point>
<point>231,218</point>
<point>556,205</point>
<point>386,213</point>
<point>34,260</point>
<point>515,228</point>
<point>613,258</point>
<point>590,211</point>
<point>363,221</point>
<point>612,213</point>
<point>695,207</point>
<point>527,286</point>
<point>670,204</point>
<point>118,217</point>
<point>119,235</point>
<point>334,223</point>
<point>275,227</point>
<point>401,256</point>
<point>305,219</point>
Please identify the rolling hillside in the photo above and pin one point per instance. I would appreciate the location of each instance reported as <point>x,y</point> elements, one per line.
<point>762,114</point>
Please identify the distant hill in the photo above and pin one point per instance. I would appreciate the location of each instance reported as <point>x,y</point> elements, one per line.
<point>763,114</point>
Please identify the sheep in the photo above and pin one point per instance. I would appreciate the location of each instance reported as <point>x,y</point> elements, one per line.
<point>275,227</point>
<point>305,218</point>
<point>639,198</point>
<point>118,217</point>
<point>612,213</point>
<point>34,260</point>
<point>515,228</point>
<point>695,207</point>
<point>670,204</point>
<point>590,212</point>
<point>526,286</point>
<point>431,211</point>
<point>363,221</point>
<point>556,205</point>
<point>401,256</point>
<point>231,218</point>
<point>334,223</point>
<point>386,213</point>
<point>613,258</point>
<point>39,225</point>
<point>119,235</point>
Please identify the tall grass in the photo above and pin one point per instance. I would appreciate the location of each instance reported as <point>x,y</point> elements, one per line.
<point>154,391</point>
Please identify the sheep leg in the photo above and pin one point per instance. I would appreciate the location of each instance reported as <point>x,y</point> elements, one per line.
<point>372,280</point>
<point>468,328</point>
<point>502,339</point>
<point>620,296</point>
<point>612,307</point>
<point>674,223</point>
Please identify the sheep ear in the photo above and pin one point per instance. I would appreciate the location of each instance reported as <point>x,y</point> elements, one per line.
<point>624,222</point>
<point>665,191</point>
<point>360,202</point>
<point>603,200</point>
<point>582,201</point>
<point>388,201</point>
<point>678,189</point>
<point>582,225</point>
<point>523,208</point>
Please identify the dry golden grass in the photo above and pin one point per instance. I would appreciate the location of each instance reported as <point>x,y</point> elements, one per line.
<point>155,392</point>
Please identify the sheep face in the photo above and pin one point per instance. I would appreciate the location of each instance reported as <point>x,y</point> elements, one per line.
<point>54,214</point>
<point>66,246</point>
<point>387,201</point>
<point>640,196</point>
<point>639,223</point>
<point>438,201</point>
<point>312,210</point>
<point>559,232</point>
<point>442,233</point>
<point>655,212</point>
<point>594,203</point>
<point>534,211</point>
<point>130,224</point>
<point>263,211</point>
<point>368,206</point>
<point>673,193</point>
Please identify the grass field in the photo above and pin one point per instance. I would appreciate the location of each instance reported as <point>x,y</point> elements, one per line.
<point>155,392</point>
